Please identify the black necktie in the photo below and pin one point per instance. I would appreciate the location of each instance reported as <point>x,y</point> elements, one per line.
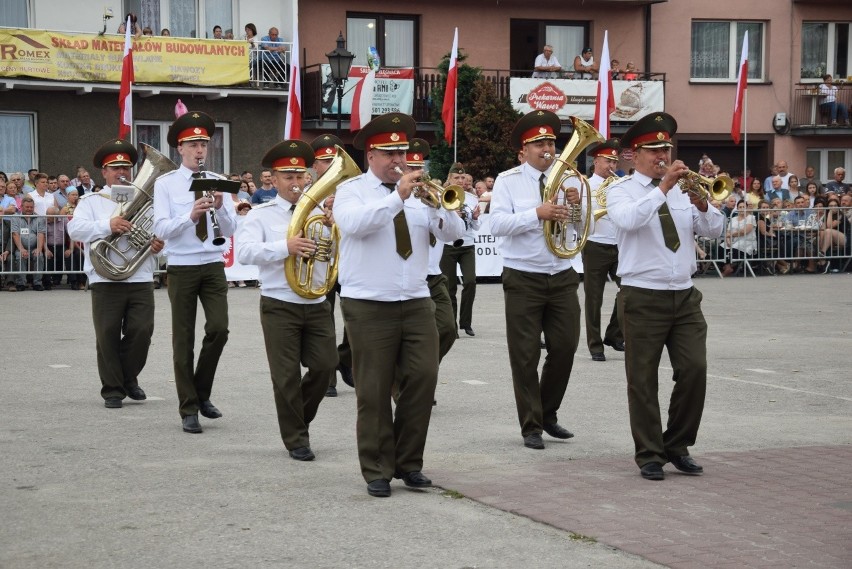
<point>201,226</point>
<point>400,230</point>
<point>667,223</point>
<point>541,185</point>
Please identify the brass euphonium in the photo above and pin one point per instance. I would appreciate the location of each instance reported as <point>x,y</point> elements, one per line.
<point>119,256</point>
<point>298,270</point>
<point>556,233</point>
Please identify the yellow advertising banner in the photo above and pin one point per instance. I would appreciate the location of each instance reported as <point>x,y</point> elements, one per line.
<point>43,54</point>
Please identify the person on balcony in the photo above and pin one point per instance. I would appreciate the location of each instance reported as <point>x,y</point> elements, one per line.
<point>585,66</point>
<point>829,104</point>
<point>273,56</point>
<point>546,65</point>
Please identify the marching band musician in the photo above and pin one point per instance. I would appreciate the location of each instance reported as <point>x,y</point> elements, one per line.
<point>600,259</point>
<point>658,304</point>
<point>324,154</point>
<point>196,266</point>
<point>385,299</point>
<point>122,311</point>
<point>295,329</point>
<point>540,288</point>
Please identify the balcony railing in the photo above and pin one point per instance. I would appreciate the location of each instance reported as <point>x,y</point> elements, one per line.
<point>807,112</point>
<point>426,80</point>
<point>269,69</point>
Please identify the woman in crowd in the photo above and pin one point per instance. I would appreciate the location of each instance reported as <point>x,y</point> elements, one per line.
<point>755,194</point>
<point>12,192</point>
<point>740,239</point>
<point>768,244</point>
<point>793,183</point>
<point>833,234</point>
<point>812,190</point>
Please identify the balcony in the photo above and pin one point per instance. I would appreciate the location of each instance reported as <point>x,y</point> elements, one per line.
<point>808,119</point>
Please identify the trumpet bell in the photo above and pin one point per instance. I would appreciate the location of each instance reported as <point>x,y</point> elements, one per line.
<point>451,197</point>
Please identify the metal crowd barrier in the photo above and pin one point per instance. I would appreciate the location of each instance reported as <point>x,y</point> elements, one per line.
<point>789,241</point>
<point>269,69</point>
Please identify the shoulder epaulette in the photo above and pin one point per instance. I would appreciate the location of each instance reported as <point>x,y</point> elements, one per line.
<point>515,170</point>
<point>263,205</point>
<point>84,196</point>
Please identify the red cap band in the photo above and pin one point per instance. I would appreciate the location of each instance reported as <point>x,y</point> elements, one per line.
<point>651,137</point>
<point>289,163</point>
<point>610,153</point>
<point>538,133</point>
<point>323,153</point>
<point>414,158</point>
<point>117,159</point>
<point>388,139</point>
<point>194,133</point>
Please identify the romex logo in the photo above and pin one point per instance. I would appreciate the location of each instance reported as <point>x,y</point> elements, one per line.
<point>546,96</point>
<point>35,51</point>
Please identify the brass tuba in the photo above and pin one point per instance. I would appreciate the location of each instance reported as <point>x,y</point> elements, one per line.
<point>118,256</point>
<point>298,270</point>
<point>556,233</point>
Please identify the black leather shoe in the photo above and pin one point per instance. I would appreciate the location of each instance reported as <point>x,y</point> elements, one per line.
<point>346,374</point>
<point>209,410</point>
<point>136,394</point>
<point>191,424</point>
<point>415,479</point>
<point>331,391</point>
<point>557,431</point>
<point>469,331</point>
<point>686,465</point>
<point>534,441</point>
<point>652,471</point>
<point>302,453</point>
<point>379,488</point>
<point>598,357</point>
<point>112,403</point>
<point>617,346</point>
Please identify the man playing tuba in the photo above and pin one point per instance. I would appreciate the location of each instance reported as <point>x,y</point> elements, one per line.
<point>122,311</point>
<point>296,330</point>
<point>540,287</point>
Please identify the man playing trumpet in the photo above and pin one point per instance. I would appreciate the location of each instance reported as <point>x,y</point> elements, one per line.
<point>296,330</point>
<point>122,311</point>
<point>658,304</point>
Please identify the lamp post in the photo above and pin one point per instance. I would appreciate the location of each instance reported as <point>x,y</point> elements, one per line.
<point>340,60</point>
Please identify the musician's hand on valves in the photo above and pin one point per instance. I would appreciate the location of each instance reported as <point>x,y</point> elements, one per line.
<point>119,225</point>
<point>572,195</point>
<point>301,246</point>
<point>476,212</point>
<point>200,208</point>
<point>697,201</point>
<point>157,245</point>
<point>552,211</point>
<point>674,172</point>
<point>408,183</point>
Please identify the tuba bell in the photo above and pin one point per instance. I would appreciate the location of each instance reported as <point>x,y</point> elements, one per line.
<point>556,233</point>
<point>119,256</point>
<point>299,271</point>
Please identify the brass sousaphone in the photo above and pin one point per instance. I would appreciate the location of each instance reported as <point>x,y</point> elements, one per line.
<point>556,233</point>
<point>298,270</point>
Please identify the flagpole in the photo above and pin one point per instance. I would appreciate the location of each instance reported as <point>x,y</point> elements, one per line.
<point>456,124</point>
<point>745,139</point>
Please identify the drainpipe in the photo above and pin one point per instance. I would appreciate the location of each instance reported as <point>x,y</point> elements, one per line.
<point>647,65</point>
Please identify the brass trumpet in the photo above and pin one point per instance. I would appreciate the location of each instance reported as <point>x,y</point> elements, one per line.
<point>432,194</point>
<point>705,188</point>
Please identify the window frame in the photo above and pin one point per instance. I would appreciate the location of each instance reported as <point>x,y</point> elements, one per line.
<point>734,52</point>
<point>28,6</point>
<point>200,17</point>
<point>831,51</point>
<point>34,157</point>
<point>170,152</point>
<point>824,170</point>
<point>380,20</point>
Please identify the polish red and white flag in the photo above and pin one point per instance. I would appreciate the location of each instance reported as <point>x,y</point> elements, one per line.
<point>448,110</point>
<point>362,102</point>
<point>125,94</point>
<point>605,102</point>
<point>293,120</point>
<point>742,85</point>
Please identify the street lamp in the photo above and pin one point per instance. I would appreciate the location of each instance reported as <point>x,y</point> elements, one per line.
<point>340,60</point>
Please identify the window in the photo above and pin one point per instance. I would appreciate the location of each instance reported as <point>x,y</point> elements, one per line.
<point>219,13</point>
<point>218,154</point>
<point>825,49</point>
<point>147,13</point>
<point>184,17</point>
<point>21,128</point>
<point>825,160</point>
<point>716,48</point>
<point>14,14</point>
<point>394,37</point>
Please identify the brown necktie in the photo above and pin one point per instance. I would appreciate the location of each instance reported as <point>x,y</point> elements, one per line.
<point>541,185</point>
<point>201,226</point>
<point>667,223</point>
<point>400,230</point>
<point>432,239</point>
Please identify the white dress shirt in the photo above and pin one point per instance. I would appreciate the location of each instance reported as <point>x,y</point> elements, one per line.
<point>472,225</point>
<point>262,241</point>
<point>513,217</point>
<point>542,61</point>
<point>643,258</point>
<point>370,268</point>
<point>90,223</point>
<point>172,205</point>
<point>436,253</point>
<point>603,229</point>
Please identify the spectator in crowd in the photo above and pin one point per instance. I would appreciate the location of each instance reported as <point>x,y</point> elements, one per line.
<point>846,204</point>
<point>242,196</point>
<point>267,191</point>
<point>74,253</point>
<point>585,66</point>
<point>730,206</point>
<point>615,69</point>
<point>86,185</point>
<point>837,185</point>
<point>137,29</point>
<point>810,176</point>
<point>147,31</point>
<point>251,188</point>
<point>28,235</point>
<point>768,243</point>
<point>229,35</point>
<point>784,173</point>
<point>251,35</point>
<point>793,183</point>
<point>15,196</point>
<point>745,180</point>
<point>546,65</point>
<point>217,32</point>
<point>273,56</point>
<point>247,176</point>
<point>776,190</point>
<point>75,181</point>
<point>165,32</point>
<point>18,179</point>
<point>57,244</point>
<point>29,184</point>
<point>767,182</point>
<point>5,201</point>
<point>754,194</point>
<point>811,192</point>
<point>3,176</point>
<point>52,184</point>
<point>834,234</point>
<point>60,196</point>
<point>801,243</point>
<point>42,198</point>
<point>740,240</point>
<point>630,72</point>
<point>829,104</point>
<point>707,168</point>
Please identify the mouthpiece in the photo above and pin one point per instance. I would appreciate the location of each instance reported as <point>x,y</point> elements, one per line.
<point>123,180</point>
<point>548,156</point>
<point>662,164</point>
<point>398,170</point>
